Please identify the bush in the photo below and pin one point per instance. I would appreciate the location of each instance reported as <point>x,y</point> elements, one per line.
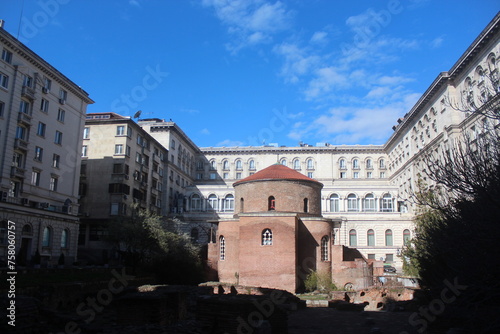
<point>320,281</point>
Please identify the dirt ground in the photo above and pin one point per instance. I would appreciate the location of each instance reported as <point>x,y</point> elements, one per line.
<point>323,320</point>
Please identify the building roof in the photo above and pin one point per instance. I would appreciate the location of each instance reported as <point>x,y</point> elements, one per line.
<point>276,172</point>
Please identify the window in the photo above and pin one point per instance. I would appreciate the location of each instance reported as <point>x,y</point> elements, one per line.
<point>324,248</point>
<point>381,163</point>
<point>2,108</point>
<point>64,239</point>
<point>382,175</point>
<point>222,248</point>
<point>371,238</point>
<point>41,129</point>
<point>342,164</point>
<point>127,151</point>
<point>138,157</point>
<point>251,165</point>
<point>406,237</point>
<point>195,202</point>
<point>283,162</point>
<point>172,144</point>
<point>386,203</point>
<point>47,237</point>
<point>225,175</point>
<point>58,138</point>
<point>310,175</point>
<point>388,238</point>
<point>60,115</point>
<point>38,153</point>
<point>239,165</point>
<point>229,203</point>
<point>114,209</point>
<point>353,239</point>
<point>120,130</point>
<point>225,165</point>
<point>86,133</point>
<point>24,107</point>
<point>267,237</point>
<point>310,164</point>
<point>271,203</point>
<point>47,84</point>
<point>213,202</point>
<point>213,176</point>
<point>369,175</point>
<point>17,160</point>
<point>352,202</point>
<point>35,178</point>
<point>63,96</point>
<point>84,151</point>
<point>129,132</point>
<point>343,175</point>
<point>213,165</point>
<point>369,163</point>
<point>334,203</point>
<point>355,175</point>
<point>53,183</point>
<point>296,164</point>
<point>4,81</point>
<point>21,132</point>
<point>389,258</point>
<point>306,205</point>
<point>371,256</point>
<point>27,81</point>
<point>369,203</point>
<point>44,106</point>
<point>55,160</point>
<point>238,176</point>
<point>7,56</point>
<point>355,164</point>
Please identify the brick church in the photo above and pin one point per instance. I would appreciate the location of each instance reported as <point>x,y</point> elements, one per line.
<point>277,235</point>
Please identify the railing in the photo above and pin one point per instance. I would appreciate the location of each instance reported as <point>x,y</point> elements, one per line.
<point>16,171</point>
<point>28,92</point>
<point>20,144</point>
<point>24,118</point>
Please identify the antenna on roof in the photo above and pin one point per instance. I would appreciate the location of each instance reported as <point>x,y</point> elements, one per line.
<point>137,114</point>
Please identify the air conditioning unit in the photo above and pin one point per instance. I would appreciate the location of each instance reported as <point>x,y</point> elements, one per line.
<point>45,90</point>
<point>62,101</point>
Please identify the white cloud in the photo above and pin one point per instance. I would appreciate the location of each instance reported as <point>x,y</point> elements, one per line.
<point>205,131</point>
<point>325,80</point>
<point>319,37</point>
<point>134,3</point>
<point>437,42</point>
<point>250,22</point>
<point>229,143</point>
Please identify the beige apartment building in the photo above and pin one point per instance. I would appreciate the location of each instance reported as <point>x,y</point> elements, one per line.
<point>42,114</point>
<point>122,165</point>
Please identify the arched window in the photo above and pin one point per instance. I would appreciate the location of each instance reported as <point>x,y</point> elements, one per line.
<point>406,236</point>
<point>342,164</point>
<point>371,237</point>
<point>251,164</point>
<point>64,239</point>
<point>213,202</point>
<point>27,230</point>
<point>369,203</point>
<point>369,163</point>
<point>355,164</point>
<point>283,162</point>
<point>47,237</point>
<point>195,202</point>
<point>222,248</point>
<point>296,164</point>
<point>267,237</point>
<point>194,235</point>
<point>213,165</point>
<point>242,204</point>
<point>353,239</point>
<point>386,203</point>
<point>334,203</point>
<point>229,203</point>
<point>324,248</point>
<point>239,166</point>
<point>352,202</point>
<point>271,203</point>
<point>310,164</point>
<point>306,205</point>
<point>225,165</point>
<point>388,238</point>
<point>381,163</point>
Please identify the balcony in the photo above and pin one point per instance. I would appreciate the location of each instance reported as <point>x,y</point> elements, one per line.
<point>24,118</point>
<point>21,144</point>
<point>17,172</point>
<point>28,92</point>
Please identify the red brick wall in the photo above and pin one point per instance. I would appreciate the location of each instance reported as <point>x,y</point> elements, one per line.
<point>289,196</point>
<point>228,267</point>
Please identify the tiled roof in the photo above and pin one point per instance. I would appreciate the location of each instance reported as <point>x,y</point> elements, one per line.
<point>276,172</point>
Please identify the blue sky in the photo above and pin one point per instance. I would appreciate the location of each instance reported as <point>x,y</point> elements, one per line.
<point>248,72</point>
